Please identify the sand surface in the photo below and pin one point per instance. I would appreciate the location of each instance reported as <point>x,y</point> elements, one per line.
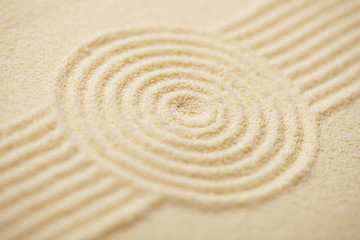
<point>180,119</point>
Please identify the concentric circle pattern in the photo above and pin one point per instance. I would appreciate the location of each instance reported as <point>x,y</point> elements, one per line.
<point>186,115</point>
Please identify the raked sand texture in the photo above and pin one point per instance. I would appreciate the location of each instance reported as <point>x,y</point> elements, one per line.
<point>180,119</point>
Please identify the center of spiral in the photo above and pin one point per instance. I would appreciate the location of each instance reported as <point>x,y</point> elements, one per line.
<point>191,109</point>
<point>189,106</point>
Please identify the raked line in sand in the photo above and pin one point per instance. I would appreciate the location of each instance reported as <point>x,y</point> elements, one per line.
<point>55,190</point>
<point>186,115</point>
<point>315,44</point>
<point>159,113</point>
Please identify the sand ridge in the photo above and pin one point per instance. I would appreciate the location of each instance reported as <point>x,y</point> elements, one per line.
<point>321,57</point>
<point>35,154</point>
<point>121,93</point>
<point>213,120</point>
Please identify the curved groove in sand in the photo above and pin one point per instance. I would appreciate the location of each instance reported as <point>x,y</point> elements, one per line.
<point>185,114</point>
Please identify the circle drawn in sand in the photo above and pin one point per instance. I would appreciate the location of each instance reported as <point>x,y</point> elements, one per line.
<point>186,114</point>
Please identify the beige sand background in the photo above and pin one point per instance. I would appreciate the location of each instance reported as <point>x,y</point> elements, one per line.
<point>35,38</point>
<point>38,35</point>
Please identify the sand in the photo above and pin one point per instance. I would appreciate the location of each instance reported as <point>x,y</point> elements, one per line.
<point>180,120</point>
